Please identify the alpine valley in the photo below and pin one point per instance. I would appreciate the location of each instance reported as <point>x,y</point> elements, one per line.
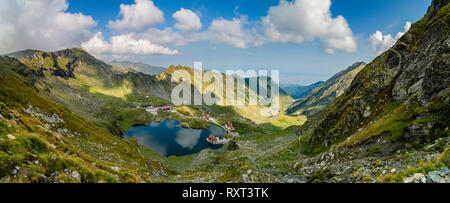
<point>64,116</point>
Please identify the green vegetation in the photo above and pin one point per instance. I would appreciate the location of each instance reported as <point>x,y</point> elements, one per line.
<point>397,117</point>
<point>284,121</point>
<point>424,168</point>
<point>311,149</point>
<point>375,151</point>
<point>320,175</point>
<point>93,150</point>
<point>63,125</point>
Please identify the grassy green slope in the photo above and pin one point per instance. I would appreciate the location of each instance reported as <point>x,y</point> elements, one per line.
<point>91,88</point>
<point>47,143</point>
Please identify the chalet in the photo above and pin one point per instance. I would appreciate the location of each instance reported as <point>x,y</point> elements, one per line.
<point>229,126</point>
<point>213,140</point>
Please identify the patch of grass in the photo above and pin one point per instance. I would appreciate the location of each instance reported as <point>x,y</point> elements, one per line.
<point>320,175</point>
<point>311,149</point>
<point>287,121</point>
<point>374,151</point>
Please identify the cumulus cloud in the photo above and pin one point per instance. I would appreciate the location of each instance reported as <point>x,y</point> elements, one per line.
<point>381,43</point>
<point>187,20</point>
<point>166,36</point>
<point>41,24</point>
<point>228,31</point>
<point>220,31</point>
<point>304,20</point>
<point>123,45</point>
<point>139,16</point>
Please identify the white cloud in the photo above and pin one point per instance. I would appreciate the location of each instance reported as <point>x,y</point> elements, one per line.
<point>96,45</point>
<point>166,36</point>
<point>305,20</point>
<point>126,44</point>
<point>220,31</point>
<point>139,16</point>
<point>406,27</point>
<point>381,43</point>
<point>187,20</point>
<point>228,31</point>
<point>41,24</point>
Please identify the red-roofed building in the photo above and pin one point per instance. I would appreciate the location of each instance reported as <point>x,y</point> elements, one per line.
<point>164,108</point>
<point>206,116</point>
<point>229,126</point>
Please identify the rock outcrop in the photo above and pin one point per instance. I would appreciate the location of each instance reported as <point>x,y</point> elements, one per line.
<point>398,102</point>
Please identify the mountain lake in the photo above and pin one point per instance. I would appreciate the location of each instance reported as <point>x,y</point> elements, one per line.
<point>169,139</point>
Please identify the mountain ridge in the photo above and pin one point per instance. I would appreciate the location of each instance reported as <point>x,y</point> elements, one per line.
<point>300,91</point>
<point>319,97</point>
<point>137,67</point>
<point>398,103</point>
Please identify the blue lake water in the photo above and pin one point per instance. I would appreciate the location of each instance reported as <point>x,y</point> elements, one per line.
<point>168,139</point>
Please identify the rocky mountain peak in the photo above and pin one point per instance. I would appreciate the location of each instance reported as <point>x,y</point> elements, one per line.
<point>436,5</point>
<point>414,71</point>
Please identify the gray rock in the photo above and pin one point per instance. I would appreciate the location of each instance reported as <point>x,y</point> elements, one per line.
<point>416,178</point>
<point>444,171</point>
<point>164,174</point>
<point>433,177</point>
<point>75,175</point>
<point>43,178</point>
<point>115,168</point>
<point>5,179</point>
<point>367,112</point>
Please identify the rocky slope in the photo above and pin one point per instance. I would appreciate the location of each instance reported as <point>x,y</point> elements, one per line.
<point>137,67</point>
<point>393,120</point>
<point>326,93</point>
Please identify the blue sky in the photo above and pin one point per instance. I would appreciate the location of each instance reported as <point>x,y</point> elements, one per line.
<point>299,62</point>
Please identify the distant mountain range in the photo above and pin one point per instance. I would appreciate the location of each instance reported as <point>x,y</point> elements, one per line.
<point>137,67</point>
<point>300,91</point>
<point>326,92</point>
